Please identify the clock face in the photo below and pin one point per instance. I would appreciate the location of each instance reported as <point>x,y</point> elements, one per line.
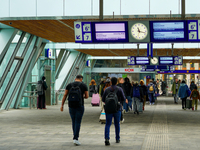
<point>154,60</point>
<point>139,31</point>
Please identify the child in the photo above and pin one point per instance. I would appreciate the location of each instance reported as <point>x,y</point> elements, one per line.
<point>195,96</point>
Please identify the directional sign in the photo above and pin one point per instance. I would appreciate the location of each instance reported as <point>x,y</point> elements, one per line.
<point>193,30</point>
<point>131,60</point>
<point>83,32</point>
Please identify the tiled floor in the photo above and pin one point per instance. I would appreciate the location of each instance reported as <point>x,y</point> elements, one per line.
<point>161,127</point>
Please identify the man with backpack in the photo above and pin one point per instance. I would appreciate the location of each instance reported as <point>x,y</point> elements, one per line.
<point>41,87</point>
<point>113,97</point>
<point>77,91</point>
<point>151,91</point>
<point>195,96</point>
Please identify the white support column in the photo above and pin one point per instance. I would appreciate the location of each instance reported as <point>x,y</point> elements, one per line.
<point>188,75</point>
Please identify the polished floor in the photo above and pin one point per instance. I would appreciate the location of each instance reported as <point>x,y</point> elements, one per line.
<point>164,126</point>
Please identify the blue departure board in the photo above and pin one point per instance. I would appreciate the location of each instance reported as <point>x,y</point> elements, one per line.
<point>168,31</point>
<point>142,60</point>
<point>166,60</point>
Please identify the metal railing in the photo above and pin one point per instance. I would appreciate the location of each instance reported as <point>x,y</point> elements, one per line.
<point>59,94</point>
<point>32,97</point>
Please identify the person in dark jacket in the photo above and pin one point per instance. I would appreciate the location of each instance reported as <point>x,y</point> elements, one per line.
<point>100,86</point>
<point>120,84</point>
<point>92,88</point>
<point>192,86</point>
<point>144,89</point>
<point>41,98</point>
<point>163,87</point>
<point>182,93</point>
<point>127,90</point>
<point>117,115</point>
<point>137,99</point>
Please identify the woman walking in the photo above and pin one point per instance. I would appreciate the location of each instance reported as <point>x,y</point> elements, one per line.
<point>182,93</point>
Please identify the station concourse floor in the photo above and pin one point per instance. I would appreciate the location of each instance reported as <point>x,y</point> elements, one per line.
<point>164,126</point>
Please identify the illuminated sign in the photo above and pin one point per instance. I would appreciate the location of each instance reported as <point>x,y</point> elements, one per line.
<point>168,31</point>
<point>115,32</point>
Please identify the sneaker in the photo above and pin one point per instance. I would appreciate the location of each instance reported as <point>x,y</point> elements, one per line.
<point>149,103</point>
<point>117,141</point>
<point>107,143</point>
<point>122,120</point>
<point>124,111</point>
<point>77,143</point>
<point>153,103</point>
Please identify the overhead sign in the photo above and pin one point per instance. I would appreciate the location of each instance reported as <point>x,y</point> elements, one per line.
<point>141,60</point>
<point>131,60</point>
<point>139,31</point>
<point>193,30</point>
<point>166,60</point>
<point>168,31</point>
<point>83,32</point>
<point>115,32</point>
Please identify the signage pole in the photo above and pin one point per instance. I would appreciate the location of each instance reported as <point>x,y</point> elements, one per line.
<point>183,9</point>
<point>172,49</point>
<point>100,9</point>
<point>150,50</point>
<point>138,48</point>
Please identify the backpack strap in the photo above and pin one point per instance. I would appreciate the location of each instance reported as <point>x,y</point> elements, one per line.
<point>116,89</point>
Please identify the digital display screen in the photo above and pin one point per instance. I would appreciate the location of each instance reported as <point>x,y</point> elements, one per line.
<point>106,32</point>
<point>168,31</point>
<point>167,60</point>
<point>142,60</point>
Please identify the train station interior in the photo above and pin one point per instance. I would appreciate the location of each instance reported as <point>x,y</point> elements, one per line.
<point>60,39</point>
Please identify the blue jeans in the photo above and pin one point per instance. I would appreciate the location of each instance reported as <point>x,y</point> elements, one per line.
<point>151,98</point>
<point>125,106</point>
<point>130,102</point>
<point>109,117</point>
<point>76,116</point>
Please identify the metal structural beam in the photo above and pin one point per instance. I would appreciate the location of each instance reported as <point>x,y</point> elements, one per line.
<point>100,9</point>
<point>183,9</point>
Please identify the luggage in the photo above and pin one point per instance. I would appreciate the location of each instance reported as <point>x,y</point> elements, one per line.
<point>95,100</point>
<point>188,103</point>
<point>102,117</point>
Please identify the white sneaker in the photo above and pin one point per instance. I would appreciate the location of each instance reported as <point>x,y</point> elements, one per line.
<point>153,103</point>
<point>122,121</point>
<point>124,111</point>
<point>77,143</point>
<point>149,103</point>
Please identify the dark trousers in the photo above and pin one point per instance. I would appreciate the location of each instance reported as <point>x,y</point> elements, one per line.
<point>41,101</point>
<point>184,102</point>
<point>76,115</point>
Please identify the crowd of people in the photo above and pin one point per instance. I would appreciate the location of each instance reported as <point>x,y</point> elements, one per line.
<point>120,96</point>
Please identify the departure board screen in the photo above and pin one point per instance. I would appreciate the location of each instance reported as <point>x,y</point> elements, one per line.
<point>142,61</point>
<point>168,31</point>
<point>106,32</point>
<point>166,60</point>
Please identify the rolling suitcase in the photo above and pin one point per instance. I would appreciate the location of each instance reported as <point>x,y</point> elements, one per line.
<point>188,103</point>
<point>95,100</point>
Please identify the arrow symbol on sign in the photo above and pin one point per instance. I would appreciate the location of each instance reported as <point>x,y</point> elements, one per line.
<point>78,37</point>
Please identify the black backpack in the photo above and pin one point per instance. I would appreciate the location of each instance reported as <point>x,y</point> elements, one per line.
<point>111,102</point>
<point>40,88</point>
<point>75,98</point>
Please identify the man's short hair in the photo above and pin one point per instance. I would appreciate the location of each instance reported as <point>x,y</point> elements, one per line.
<point>114,80</point>
<point>79,77</point>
